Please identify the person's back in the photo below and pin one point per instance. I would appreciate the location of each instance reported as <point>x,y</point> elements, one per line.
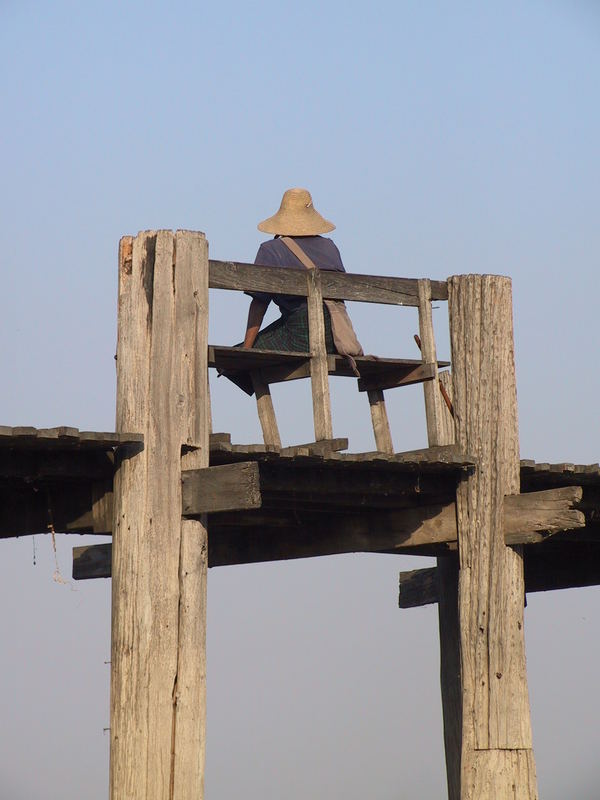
<point>275,253</point>
<point>298,244</point>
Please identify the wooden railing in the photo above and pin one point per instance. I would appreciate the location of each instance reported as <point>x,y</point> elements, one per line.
<point>334,285</point>
<point>377,374</point>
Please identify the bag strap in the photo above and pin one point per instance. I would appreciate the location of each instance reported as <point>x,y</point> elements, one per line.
<point>298,252</point>
<point>335,307</point>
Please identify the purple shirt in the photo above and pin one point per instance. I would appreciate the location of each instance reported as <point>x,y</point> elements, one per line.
<point>274,253</point>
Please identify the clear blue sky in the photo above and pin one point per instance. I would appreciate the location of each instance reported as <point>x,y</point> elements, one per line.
<point>442,138</point>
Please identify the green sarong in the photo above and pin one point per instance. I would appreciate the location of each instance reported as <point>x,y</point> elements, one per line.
<point>288,333</point>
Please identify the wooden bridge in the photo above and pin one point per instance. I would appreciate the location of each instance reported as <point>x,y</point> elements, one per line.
<point>178,498</point>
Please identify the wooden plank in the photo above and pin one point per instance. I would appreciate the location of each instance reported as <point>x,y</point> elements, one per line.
<point>240,358</point>
<point>300,483</point>
<point>433,399</point>
<point>549,511</point>
<point>442,462</point>
<point>441,432</point>
<point>377,289</point>
<point>159,562</point>
<point>496,716</point>
<point>271,536</point>
<point>377,531</point>
<point>227,488</point>
<point>63,438</point>
<point>324,447</point>
<point>260,486</point>
<point>220,438</point>
<point>92,561</point>
<point>336,285</point>
<point>287,372</point>
<point>380,421</point>
<point>266,412</point>
<point>256,278</point>
<point>319,380</point>
<point>418,587</point>
<point>438,455</point>
<point>37,465</point>
<point>400,376</point>
<point>384,373</point>
<point>552,566</point>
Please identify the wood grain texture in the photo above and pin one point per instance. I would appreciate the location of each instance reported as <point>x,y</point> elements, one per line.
<point>300,517</point>
<point>314,483</point>
<point>231,487</point>
<point>380,421</point>
<point>159,563</point>
<point>324,448</point>
<point>383,378</point>
<point>318,362</point>
<point>440,431</point>
<point>266,411</point>
<point>433,399</point>
<point>63,438</point>
<point>496,716</point>
<point>336,285</point>
<point>276,366</point>
<point>553,566</point>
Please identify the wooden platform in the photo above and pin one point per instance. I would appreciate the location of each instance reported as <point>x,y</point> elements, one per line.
<point>267,503</point>
<point>63,437</point>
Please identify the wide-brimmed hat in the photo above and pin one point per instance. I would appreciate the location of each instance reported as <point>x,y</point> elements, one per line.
<point>296,216</point>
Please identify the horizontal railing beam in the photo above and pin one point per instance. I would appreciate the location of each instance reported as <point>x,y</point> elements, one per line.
<point>336,285</point>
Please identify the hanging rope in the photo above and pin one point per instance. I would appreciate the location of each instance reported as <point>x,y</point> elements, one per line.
<point>56,577</point>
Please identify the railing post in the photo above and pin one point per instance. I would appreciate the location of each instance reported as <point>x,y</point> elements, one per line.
<point>159,561</point>
<point>319,373</point>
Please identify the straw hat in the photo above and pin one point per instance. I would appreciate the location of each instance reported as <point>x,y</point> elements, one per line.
<point>296,217</point>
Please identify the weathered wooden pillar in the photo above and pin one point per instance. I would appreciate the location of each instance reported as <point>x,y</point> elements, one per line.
<point>497,756</point>
<point>440,431</point>
<point>159,561</point>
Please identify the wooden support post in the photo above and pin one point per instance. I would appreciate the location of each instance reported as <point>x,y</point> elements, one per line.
<point>266,412</point>
<point>433,399</point>
<point>440,431</point>
<point>319,373</point>
<point>159,561</point>
<point>381,424</point>
<point>497,756</point>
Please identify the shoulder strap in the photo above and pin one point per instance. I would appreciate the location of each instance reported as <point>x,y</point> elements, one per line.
<point>344,338</point>
<point>298,252</point>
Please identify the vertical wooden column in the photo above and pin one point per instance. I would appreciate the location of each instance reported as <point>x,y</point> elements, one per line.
<point>440,431</point>
<point>497,756</point>
<point>433,400</point>
<point>159,561</point>
<point>450,680</point>
<point>319,373</point>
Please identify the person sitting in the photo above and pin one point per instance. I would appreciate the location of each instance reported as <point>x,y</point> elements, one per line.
<point>299,220</point>
<point>297,244</point>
